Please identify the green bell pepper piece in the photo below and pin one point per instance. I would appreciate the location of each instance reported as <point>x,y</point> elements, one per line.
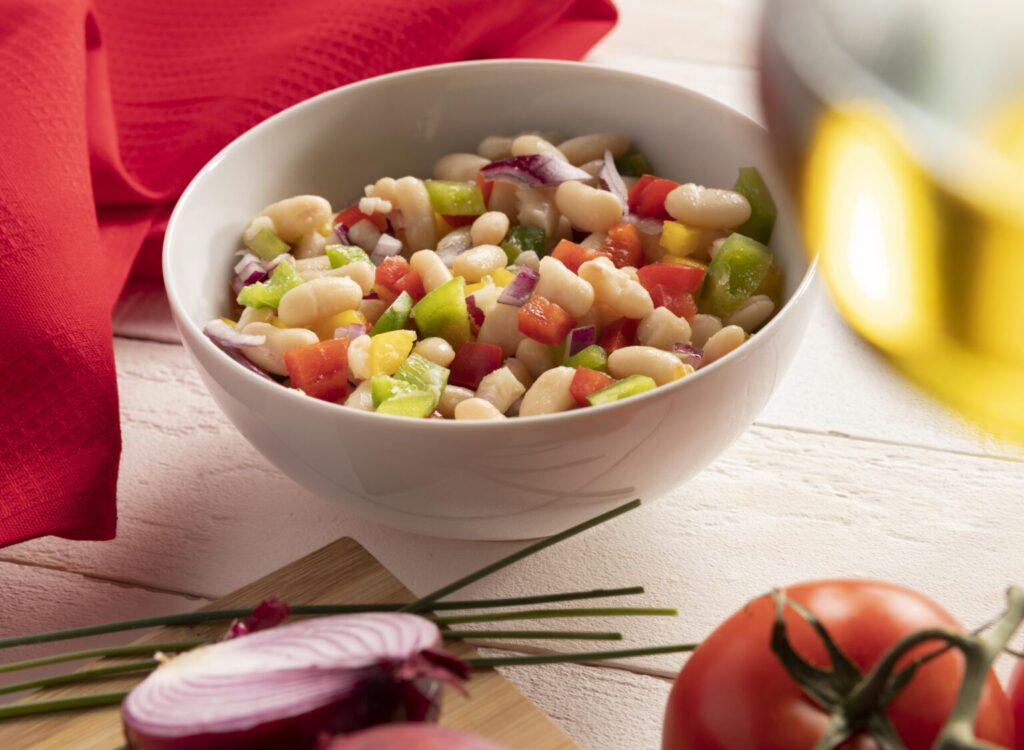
<point>451,198</point>
<point>342,255</point>
<point>734,274</point>
<point>267,245</point>
<point>422,374</point>
<point>633,165</point>
<point>384,387</point>
<point>763,212</point>
<point>522,238</point>
<point>269,293</point>
<point>443,313</point>
<point>592,357</point>
<point>634,385</point>
<point>395,316</point>
<point>417,404</point>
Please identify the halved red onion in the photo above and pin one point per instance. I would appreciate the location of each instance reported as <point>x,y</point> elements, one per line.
<point>612,180</point>
<point>410,737</point>
<point>227,337</point>
<point>285,687</point>
<point>269,613</point>
<point>386,247</point>
<point>689,354</point>
<point>351,332</point>
<point>474,311</point>
<point>579,339</point>
<point>534,170</point>
<point>520,288</point>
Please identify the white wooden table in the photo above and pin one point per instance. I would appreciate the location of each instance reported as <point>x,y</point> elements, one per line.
<point>849,472</point>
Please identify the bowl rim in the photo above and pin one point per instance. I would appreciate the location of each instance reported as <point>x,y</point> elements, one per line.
<point>191,332</point>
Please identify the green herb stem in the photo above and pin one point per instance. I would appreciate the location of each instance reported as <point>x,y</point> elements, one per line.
<point>486,662</point>
<point>133,649</point>
<point>61,704</point>
<point>561,635</point>
<point>544,614</point>
<point>81,676</point>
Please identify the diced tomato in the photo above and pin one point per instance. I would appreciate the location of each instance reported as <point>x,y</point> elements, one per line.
<point>587,381</point>
<point>679,303</point>
<point>472,361</point>
<point>320,370</point>
<point>544,321</point>
<point>458,221</point>
<point>390,273</point>
<point>647,196</point>
<point>486,186</point>
<point>352,215</point>
<point>677,276</point>
<point>623,246</point>
<point>412,283</point>
<point>573,255</point>
<point>618,333</point>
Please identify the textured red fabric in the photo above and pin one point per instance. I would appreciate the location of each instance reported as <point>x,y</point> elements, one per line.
<point>110,107</point>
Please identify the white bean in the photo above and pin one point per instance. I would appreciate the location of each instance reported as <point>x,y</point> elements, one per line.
<point>452,396</point>
<point>384,188</point>
<point>563,231</point>
<point>504,198</point>
<point>663,367</point>
<point>431,269</point>
<point>371,204</point>
<point>549,393</point>
<point>310,245</point>
<point>530,143</point>
<point>359,358</point>
<point>254,315</point>
<point>489,228</point>
<point>662,329</point>
<point>536,208</point>
<point>436,349</point>
<point>317,299</point>
<point>535,356</point>
<point>708,208</point>
<point>501,388</point>
<point>270,354</point>
<point>487,297</point>
<point>455,242</point>
<point>614,287</point>
<point>495,147</point>
<point>722,343</point>
<point>716,246</point>
<point>476,409</point>
<point>479,261</point>
<point>593,167</point>
<point>372,309</point>
<point>459,167</point>
<point>753,314</point>
<point>501,327</point>
<point>361,398</point>
<point>520,371</point>
<point>417,213</point>
<point>296,217</point>
<point>567,290</point>
<point>584,148</point>
<point>360,272</point>
<point>703,327</point>
<point>365,234</point>
<point>529,259</point>
<point>588,208</point>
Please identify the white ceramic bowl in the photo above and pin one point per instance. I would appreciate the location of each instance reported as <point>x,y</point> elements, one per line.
<point>512,479</point>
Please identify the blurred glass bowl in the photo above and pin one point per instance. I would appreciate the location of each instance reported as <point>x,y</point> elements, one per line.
<point>900,124</point>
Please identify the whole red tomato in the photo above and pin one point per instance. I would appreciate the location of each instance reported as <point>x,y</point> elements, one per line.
<point>734,694</point>
<point>1017,699</point>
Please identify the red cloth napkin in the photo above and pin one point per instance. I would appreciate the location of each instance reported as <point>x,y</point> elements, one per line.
<point>110,107</point>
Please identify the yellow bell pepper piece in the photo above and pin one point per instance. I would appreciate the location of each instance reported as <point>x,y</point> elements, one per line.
<point>681,240</point>
<point>325,328</point>
<point>389,350</point>
<point>471,288</point>
<point>503,277</point>
<point>684,261</point>
<point>229,321</point>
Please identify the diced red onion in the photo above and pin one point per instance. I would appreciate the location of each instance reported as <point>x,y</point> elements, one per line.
<point>245,261</point>
<point>371,295</point>
<point>236,286</point>
<point>282,258</point>
<point>579,339</point>
<point>351,332</point>
<point>227,337</point>
<point>689,354</point>
<point>612,180</point>
<point>534,170</point>
<point>396,220</point>
<point>474,311</point>
<point>341,232</point>
<point>520,288</point>
<point>287,686</point>
<point>386,247</point>
<point>410,737</point>
<point>646,225</point>
<point>269,613</point>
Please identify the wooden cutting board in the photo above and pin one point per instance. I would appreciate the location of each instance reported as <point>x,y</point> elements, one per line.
<point>338,573</point>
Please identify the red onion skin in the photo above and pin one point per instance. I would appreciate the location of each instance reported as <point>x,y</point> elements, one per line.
<point>410,737</point>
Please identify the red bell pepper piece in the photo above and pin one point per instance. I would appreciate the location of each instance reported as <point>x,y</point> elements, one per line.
<point>412,283</point>
<point>352,215</point>
<point>572,255</point>
<point>618,333</point>
<point>679,303</point>
<point>544,321</point>
<point>587,381</point>
<point>390,273</point>
<point>623,246</point>
<point>472,361</point>
<point>320,370</point>
<point>458,221</point>
<point>647,196</point>
<point>673,285</point>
